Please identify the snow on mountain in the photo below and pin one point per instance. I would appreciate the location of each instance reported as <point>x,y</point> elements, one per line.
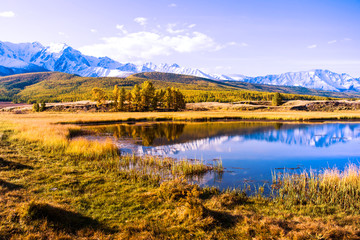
<point>175,68</point>
<point>32,57</point>
<point>14,58</point>
<point>56,48</point>
<point>317,79</point>
<point>236,77</point>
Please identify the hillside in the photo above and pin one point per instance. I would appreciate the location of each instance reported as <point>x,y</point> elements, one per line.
<point>185,81</point>
<point>168,77</point>
<point>57,87</point>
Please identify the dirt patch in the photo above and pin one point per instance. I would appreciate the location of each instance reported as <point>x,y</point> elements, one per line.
<point>326,106</point>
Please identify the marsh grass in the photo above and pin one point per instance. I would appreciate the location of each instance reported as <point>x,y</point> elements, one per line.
<point>51,136</point>
<point>190,168</point>
<point>331,187</point>
<point>167,168</point>
<point>93,149</point>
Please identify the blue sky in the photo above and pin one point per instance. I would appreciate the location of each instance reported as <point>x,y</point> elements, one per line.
<point>251,37</point>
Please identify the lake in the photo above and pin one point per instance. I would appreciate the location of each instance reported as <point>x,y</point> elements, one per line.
<point>250,151</point>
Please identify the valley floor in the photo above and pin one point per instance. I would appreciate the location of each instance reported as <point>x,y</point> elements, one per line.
<point>50,191</point>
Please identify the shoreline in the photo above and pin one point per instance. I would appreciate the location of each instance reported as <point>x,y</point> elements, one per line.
<point>101,118</point>
<point>224,120</point>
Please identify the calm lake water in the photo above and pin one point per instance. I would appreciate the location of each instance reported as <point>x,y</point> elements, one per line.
<point>250,151</point>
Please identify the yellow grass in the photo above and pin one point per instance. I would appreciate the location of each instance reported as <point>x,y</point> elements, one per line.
<point>186,115</point>
<point>41,128</point>
<point>92,149</point>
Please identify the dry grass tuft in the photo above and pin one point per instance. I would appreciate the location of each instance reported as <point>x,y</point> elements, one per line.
<point>92,149</point>
<point>331,187</point>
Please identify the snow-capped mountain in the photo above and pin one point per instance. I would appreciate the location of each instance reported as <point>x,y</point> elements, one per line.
<point>63,58</point>
<point>317,79</point>
<point>15,58</point>
<point>34,57</point>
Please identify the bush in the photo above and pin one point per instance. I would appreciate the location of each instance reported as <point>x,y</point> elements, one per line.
<point>42,107</point>
<point>36,107</point>
<point>277,99</point>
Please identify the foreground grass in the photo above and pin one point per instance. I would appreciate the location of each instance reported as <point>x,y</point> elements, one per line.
<point>55,189</point>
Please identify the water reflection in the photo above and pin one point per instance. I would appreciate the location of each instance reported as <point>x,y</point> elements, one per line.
<point>145,133</point>
<point>250,151</point>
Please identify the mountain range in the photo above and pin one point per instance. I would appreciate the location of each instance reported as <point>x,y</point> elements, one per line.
<point>34,57</point>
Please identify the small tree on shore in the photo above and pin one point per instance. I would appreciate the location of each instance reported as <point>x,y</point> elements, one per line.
<point>179,102</point>
<point>277,99</point>
<point>36,107</point>
<point>42,106</point>
<point>169,98</point>
<point>147,93</point>
<point>122,98</point>
<point>129,101</point>
<point>136,97</point>
<point>116,98</point>
<point>99,96</point>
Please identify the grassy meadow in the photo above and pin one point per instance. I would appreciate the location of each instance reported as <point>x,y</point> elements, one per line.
<point>55,186</point>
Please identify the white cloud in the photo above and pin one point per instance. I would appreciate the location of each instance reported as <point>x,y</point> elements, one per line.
<point>93,30</point>
<point>170,29</point>
<point>332,41</point>
<point>146,45</point>
<point>141,20</point>
<point>347,39</point>
<point>172,5</point>
<point>192,26</point>
<point>312,46</point>
<point>242,44</point>
<point>122,28</point>
<point>8,14</point>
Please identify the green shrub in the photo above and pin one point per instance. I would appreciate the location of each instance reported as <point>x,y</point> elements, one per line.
<point>277,99</point>
<point>36,107</point>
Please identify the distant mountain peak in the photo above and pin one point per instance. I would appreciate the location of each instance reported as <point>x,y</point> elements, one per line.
<point>175,65</point>
<point>317,79</point>
<point>56,47</point>
<point>37,44</point>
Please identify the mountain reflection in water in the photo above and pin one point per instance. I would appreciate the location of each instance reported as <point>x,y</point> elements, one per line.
<point>250,151</point>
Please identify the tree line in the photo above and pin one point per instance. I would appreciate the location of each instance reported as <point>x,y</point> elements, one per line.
<point>142,98</point>
<point>194,96</point>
